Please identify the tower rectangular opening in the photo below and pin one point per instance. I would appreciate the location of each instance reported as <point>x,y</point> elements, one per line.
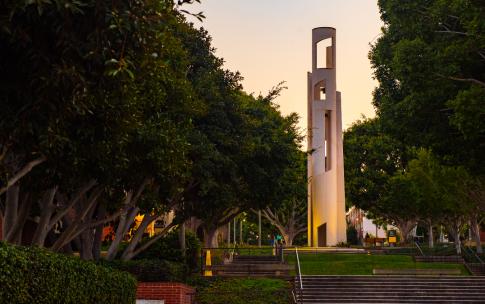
<point>320,91</point>
<point>325,54</point>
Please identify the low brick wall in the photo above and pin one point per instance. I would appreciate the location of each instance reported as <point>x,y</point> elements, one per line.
<point>171,293</point>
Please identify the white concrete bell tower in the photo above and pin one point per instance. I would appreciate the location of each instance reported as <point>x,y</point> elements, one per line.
<point>326,196</point>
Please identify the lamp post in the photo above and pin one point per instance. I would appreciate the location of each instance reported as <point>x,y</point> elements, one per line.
<point>234,235</point>
<point>241,231</point>
<point>229,234</point>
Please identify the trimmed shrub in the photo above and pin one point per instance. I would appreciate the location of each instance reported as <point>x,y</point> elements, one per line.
<point>243,291</point>
<point>168,248</point>
<point>352,235</point>
<point>33,275</point>
<point>151,270</point>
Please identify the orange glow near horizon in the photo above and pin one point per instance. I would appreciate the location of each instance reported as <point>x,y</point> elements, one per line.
<point>270,41</point>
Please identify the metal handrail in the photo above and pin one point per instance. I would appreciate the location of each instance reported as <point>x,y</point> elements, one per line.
<point>299,269</point>
<point>294,297</point>
<point>468,250</point>
<point>298,272</point>
<point>419,247</point>
<point>231,253</point>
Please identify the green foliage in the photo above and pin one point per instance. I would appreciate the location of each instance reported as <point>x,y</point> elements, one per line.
<point>362,264</point>
<point>290,217</point>
<point>243,291</point>
<point>430,63</point>
<point>371,158</point>
<point>99,89</point>
<point>151,270</point>
<point>168,248</point>
<point>32,275</point>
<point>241,144</point>
<point>352,235</point>
<point>128,94</point>
<point>398,201</point>
<point>442,189</point>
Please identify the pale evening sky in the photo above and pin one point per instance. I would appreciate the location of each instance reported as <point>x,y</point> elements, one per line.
<point>269,41</point>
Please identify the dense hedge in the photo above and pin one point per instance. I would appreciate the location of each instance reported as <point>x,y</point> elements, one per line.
<point>152,270</point>
<point>32,275</point>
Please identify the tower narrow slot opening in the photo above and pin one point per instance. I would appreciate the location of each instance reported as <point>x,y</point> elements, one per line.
<point>328,148</point>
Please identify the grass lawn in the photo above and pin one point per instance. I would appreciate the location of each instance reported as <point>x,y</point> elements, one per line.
<point>242,291</point>
<point>361,264</point>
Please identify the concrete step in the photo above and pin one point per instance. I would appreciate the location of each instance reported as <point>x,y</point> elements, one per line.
<point>395,285</point>
<point>379,289</point>
<point>416,272</point>
<point>361,301</point>
<point>383,289</point>
<point>377,278</point>
<point>394,282</point>
<point>256,257</point>
<point>255,262</point>
<point>282,276</point>
<point>253,266</point>
<point>390,292</point>
<point>439,259</point>
<point>407,296</point>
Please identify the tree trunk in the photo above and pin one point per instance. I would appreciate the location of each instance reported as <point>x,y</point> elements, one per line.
<point>210,237</point>
<point>430,235</point>
<point>457,242</point>
<point>182,238</point>
<point>454,228</point>
<point>47,209</point>
<point>83,211</point>
<point>126,220</point>
<point>135,240</point>
<point>475,227</point>
<point>150,242</point>
<point>15,234</point>
<point>21,173</point>
<point>11,210</point>
<point>288,237</point>
<point>405,228</point>
<point>124,224</point>
<point>86,251</point>
<point>98,234</point>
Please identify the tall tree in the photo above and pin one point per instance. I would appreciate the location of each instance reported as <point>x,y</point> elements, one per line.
<point>371,157</point>
<point>290,216</point>
<point>97,94</point>
<point>430,66</point>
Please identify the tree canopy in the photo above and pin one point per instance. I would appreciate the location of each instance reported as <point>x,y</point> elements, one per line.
<point>115,108</point>
<point>421,158</point>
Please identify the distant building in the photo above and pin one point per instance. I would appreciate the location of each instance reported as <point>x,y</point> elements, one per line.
<point>356,218</point>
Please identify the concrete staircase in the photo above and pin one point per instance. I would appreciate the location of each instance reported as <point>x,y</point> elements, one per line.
<point>253,266</point>
<point>391,289</point>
